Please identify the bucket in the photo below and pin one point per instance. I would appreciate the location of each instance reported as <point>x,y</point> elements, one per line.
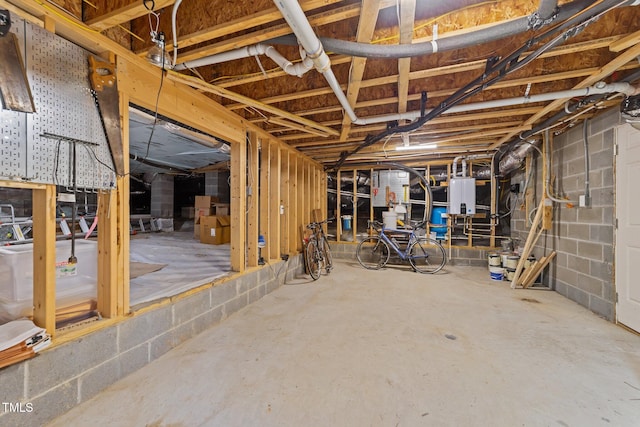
<point>496,273</point>
<point>511,273</point>
<point>529,261</point>
<point>389,219</point>
<point>494,260</point>
<point>346,222</point>
<point>503,257</point>
<point>512,262</point>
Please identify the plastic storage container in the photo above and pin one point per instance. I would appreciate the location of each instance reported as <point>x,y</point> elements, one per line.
<point>390,220</point>
<point>346,222</point>
<point>438,217</point>
<point>73,285</point>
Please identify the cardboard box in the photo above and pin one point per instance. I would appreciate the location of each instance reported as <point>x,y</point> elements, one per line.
<point>221,209</point>
<point>201,212</point>
<point>205,201</point>
<point>196,232</point>
<point>215,230</point>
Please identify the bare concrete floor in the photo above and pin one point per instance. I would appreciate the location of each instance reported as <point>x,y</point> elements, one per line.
<point>388,348</point>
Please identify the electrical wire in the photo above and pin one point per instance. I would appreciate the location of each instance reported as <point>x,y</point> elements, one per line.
<point>155,117</point>
<point>496,67</point>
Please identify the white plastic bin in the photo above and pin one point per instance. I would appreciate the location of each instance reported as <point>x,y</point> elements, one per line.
<point>390,220</point>
<point>16,277</point>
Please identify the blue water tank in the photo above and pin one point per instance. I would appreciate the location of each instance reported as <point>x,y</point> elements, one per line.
<point>437,218</point>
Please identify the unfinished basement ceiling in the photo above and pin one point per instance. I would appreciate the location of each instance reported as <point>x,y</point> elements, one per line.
<point>305,112</point>
<point>158,145</point>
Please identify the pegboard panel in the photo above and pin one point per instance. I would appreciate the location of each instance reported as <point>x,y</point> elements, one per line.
<point>13,127</point>
<point>58,74</point>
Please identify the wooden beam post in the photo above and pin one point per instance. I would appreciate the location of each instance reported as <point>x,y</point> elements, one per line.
<point>274,196</point>
<point>44,258</point>
<point>265,181</point>
<point>254,204</point>
<point>338,196</point>
<point>238,204</point>
<point>300,198</point>
<point>295,244</point>
<point>123,216</point>
<point>354,220</point>
<point>285,200</point>
<point>107,254</point>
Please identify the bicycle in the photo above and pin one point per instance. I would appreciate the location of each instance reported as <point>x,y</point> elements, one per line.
<point>425,255</point>
<point>318,252</point>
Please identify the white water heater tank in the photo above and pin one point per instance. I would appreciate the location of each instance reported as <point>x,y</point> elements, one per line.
<point>462,196</point>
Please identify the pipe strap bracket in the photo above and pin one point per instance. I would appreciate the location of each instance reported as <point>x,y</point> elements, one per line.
<point>536,22</point>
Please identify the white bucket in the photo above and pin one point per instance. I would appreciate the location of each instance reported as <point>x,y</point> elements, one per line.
<point>512,262</point>
<point>496,273</point>
<point>494,260</point>
<point>390,219</point>
<point>510,273</point>
<point>503,256</point>
<point>529,261</point>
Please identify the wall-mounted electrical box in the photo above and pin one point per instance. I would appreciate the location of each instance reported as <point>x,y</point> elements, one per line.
<point>462,196</point>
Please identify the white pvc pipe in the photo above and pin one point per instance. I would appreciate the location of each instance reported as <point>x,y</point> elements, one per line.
<point>174,30</point>
<point>598,88</point>
<point>297,20</point>
<point>287,66</point>
<point>243,52</point>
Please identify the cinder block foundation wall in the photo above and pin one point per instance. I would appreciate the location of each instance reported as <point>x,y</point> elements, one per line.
<point>162,196</point>
<point>216,183</point>
<point>457,256</point>
<point>62,377</point>
<point>582,237</point>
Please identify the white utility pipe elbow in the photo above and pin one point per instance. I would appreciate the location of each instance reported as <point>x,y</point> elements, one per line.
<point>174,30</point>
<point>454,166</point>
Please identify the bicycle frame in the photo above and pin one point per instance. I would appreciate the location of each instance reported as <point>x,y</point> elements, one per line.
<point>404,255</point>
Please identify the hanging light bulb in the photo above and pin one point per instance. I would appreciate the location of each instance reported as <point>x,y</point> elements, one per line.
<point>156,54</point>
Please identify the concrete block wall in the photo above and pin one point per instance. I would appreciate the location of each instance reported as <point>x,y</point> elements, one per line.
<point>457,256</point>
<point>582,237</point>
<point>162,196</point>
<point>64,376</point>
<point>217,184</point>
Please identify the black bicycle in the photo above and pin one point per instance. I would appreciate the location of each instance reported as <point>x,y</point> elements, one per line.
<point>425,255</point>
<point>318,252</point>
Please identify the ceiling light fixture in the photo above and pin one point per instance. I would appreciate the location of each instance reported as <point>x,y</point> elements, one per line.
<point>157,55</point>
<point>429,146</point>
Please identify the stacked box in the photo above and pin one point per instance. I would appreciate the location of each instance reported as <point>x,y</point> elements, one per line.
<point>215,230</point>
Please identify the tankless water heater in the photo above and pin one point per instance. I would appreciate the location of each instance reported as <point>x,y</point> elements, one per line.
<point>462,196</point>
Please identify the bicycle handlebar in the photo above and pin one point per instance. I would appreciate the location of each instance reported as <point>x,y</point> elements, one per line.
<point>315,224</point>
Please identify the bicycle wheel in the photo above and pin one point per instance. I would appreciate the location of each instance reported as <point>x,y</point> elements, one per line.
<point>326,251</point>
<point>427,255</point>
<point>313,259</point>
<point>372,253</point>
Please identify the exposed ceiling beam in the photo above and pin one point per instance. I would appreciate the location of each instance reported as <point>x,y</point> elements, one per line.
<point>625,42</point>
<point>421,132</point>
<point>125,14</point>
<point>622,59</point>
<point>242,24</point>
<point>366,27</point>
<point>434,72</point>
<point>262,35</point>
<point>407,21</point>
<point>206,87</point>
